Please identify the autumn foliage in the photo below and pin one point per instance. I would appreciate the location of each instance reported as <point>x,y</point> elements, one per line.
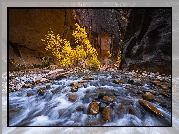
<point>82,54</point>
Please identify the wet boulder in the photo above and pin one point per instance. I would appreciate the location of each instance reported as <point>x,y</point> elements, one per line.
<point>108,99</point>
<point>148,96</point>
<point>93,108</point>
<point>151,108</point>
<point>106,114</point>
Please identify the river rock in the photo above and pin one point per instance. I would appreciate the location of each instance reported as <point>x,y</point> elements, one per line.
<point>130,81</point>
<point>48,86</point>
<point>120,110</point>
<point>165,94</point>
<point>27,85</point>
<point>11,89</point>
<point>93,108</point>
<point>106,114</point>
<point>80,108</point>
<point>132,110</point>
<point>29,94</point>
<point>72,97</point>
<point>88,78</point>
<point>148,96</point>
<point>116,81</point>
<point>41,91</point>
<point>74,89</point>
<point>151,108</point>
<point>83,81</point>
<point>60,76</point>
<point>61,111</point>
<point>127,102</point>
<point>108,99</point>
<point>164,87</point>
<point>151,91</point>
<point>138,83</point>
<point>156,82</point>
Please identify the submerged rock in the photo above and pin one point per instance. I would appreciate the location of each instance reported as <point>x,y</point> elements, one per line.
<point>80,108</point>
<point>29,94</point>
<point>106,114</point>
<point>72,97</point>
<point>151,108</point>
<point>93,108</point>
<point>108,99</point>
<point>132,110</point>
<point>41,91</point>
<point>61,111</point>
<point>120,110</point>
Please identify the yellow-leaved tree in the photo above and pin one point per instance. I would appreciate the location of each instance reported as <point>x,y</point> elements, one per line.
<point>117,59</point>
<point>67,56</point>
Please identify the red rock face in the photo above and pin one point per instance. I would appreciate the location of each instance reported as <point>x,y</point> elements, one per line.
<point>28,26</point>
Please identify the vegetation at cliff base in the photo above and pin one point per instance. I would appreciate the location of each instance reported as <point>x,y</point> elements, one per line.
<point>82,54</point>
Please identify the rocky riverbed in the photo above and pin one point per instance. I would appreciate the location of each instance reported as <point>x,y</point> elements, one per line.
<point>86,98</point>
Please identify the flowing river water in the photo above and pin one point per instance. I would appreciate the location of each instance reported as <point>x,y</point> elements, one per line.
<point>54,108</point>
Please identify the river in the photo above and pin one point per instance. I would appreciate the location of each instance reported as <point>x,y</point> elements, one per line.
<point>43,110</point>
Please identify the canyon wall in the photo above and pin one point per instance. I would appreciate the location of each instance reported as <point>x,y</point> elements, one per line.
<point>143,35</point>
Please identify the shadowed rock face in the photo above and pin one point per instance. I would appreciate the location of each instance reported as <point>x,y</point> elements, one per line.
<point>147,40</point>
